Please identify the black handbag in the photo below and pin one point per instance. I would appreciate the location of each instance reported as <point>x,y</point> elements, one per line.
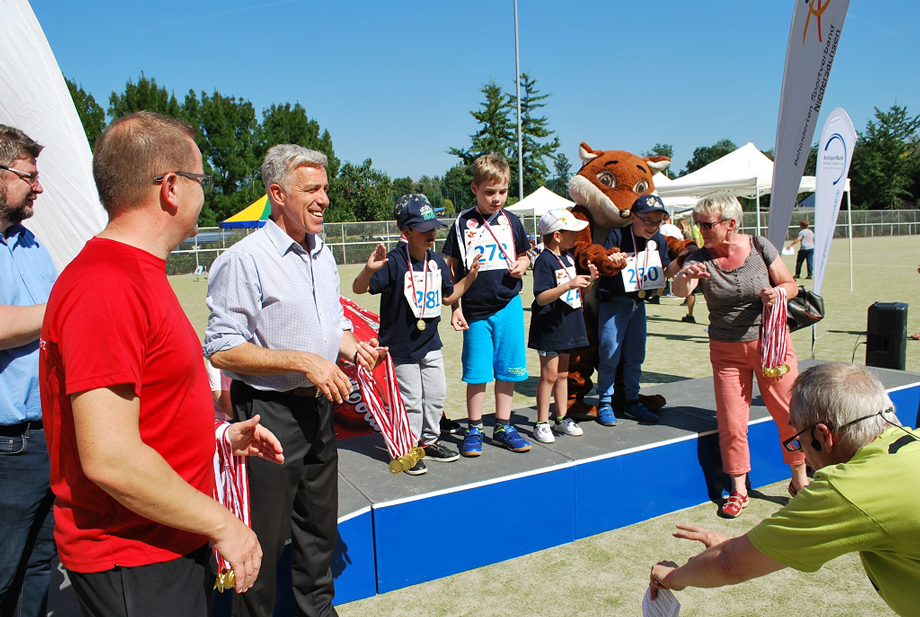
<point>805,309</point>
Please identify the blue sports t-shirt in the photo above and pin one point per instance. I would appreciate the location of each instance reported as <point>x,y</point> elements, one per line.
<point>555,326</point>
<point>493,289</point>
<point>398,324</point>
<point>611,286</point>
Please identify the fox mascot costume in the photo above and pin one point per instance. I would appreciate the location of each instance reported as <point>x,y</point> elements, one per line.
<point>604,190</point>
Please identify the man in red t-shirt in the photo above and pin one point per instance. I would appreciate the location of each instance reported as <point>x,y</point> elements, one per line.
<point>125,398</point>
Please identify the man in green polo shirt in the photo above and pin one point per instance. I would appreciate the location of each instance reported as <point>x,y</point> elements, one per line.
<point>863,497</point>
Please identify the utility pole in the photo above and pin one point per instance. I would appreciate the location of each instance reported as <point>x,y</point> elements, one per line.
<point>520,135</point>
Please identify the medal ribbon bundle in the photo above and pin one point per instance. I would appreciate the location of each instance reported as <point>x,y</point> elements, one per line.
<point>391,418</point>
<point>231,489</point>
<point>773,337</point>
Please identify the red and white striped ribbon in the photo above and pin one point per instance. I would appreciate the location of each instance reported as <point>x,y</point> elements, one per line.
<point>391,415</point>
<point>773,332</point>
<point>231,482</point>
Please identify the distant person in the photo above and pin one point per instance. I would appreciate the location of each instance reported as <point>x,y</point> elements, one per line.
<point>277,328</point>
<point>738,279</point>
<point>557,325</point>
<point>27,274</point>
<point>806,250</point>
<point>410,312</point>
<point>492,317</point>
<point>125,396</point>
<point>668,230</point>
<point>862,498</point>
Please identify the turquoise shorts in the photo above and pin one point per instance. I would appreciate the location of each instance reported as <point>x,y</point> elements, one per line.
<point>493,348</point>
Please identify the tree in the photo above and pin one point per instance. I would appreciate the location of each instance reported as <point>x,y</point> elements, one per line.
<point>283,124</point>
<point>231,151</point>
<point>402,186</point>
<point>704,155</point>
<point>456,186</point>
<point>92,115</point>
<point>360,193</point>
<point>883,159</point>
<point>145,95</point>
<point>562,170</point>
<point>497,132</point>
<point>533,129</point>
<point>431,187</point>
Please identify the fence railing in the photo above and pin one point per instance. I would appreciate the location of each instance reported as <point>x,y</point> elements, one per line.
<point>351,243</point>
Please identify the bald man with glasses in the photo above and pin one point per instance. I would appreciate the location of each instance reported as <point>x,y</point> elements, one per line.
<point>863,497</point>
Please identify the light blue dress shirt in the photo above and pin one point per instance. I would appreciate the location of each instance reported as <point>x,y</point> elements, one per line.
<point>270,291</point>
<point>26,276</point>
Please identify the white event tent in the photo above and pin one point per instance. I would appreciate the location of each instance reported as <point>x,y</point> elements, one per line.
<point>746,172</point>
<point>539,203</point>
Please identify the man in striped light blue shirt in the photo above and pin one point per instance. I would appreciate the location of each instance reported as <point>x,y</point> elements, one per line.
<point>277,328</point>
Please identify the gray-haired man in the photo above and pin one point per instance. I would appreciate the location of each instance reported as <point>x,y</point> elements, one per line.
<point>277,328</point>
<point>863,497</point>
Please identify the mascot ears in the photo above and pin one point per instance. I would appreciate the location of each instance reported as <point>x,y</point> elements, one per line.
<point>656,163</point>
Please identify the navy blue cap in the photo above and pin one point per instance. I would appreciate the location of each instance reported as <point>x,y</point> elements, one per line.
<point>648,203</point>
<point>414,212</point>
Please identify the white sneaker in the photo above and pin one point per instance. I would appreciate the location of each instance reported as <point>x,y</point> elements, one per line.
<point>543,434</point>
<point>568,427</point>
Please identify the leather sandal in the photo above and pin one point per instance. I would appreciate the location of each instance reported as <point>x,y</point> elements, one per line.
<point>733,506</point>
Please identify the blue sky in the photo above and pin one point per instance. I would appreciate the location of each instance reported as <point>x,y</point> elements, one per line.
<point>395,81</point>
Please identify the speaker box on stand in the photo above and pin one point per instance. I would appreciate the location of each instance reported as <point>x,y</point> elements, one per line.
<point>886,343</point>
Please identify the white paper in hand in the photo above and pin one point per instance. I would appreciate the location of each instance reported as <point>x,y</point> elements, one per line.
<point>665,606</point>
<point>788,251</point>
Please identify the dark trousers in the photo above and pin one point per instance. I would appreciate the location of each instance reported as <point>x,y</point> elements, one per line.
<point>806,256</point>
<point>182,587</point>
<point>301,495</point>
<point>27,522</point>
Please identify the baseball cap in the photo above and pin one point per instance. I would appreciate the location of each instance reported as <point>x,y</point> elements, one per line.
<point>648,203</point>
<point>414,212</point>
<point>560,220</point>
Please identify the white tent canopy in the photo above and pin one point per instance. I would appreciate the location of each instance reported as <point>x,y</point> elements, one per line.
<point>539,203</point>
<point>35,99</point>
<point>746,172</point>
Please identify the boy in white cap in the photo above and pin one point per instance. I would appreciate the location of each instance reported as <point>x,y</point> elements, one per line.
<point>556,323</point>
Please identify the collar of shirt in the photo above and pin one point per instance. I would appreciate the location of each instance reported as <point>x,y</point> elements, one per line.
<point>284,243</point>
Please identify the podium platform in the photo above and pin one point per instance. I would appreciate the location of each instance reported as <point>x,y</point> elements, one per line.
<point>608,478</point>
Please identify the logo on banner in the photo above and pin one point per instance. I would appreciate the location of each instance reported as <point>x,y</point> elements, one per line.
<point>814,8</point>
<point>834,156</point>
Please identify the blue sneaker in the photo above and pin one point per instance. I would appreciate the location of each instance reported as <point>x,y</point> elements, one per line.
<point>509,438</point>
<point>472,443</point>
<point>641,413</point>
<point>605,415</point>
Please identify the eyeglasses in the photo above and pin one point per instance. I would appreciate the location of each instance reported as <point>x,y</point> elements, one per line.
<point>206,182</point>
<point>792,444</point>
<point>31,178</point>
<point>708,225</point>
<point>648,222</point>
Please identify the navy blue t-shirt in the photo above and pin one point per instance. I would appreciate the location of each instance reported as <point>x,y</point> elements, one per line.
<point>611,286</point>
<point>493,289</point>
<point>555,326</point>
<point>398,324</point>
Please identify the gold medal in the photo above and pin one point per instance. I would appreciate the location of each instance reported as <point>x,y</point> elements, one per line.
<point>776,371</point>
<point>225,580</point>
<point>395,466</point>
<point>420,324</point>
<point>641,293</point>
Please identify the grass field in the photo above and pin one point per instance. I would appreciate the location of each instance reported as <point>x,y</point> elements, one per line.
<point>607,574</point>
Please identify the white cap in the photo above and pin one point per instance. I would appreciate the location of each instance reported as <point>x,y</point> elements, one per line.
<point>560,220</point>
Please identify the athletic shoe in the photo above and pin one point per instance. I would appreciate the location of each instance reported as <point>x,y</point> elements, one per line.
<point>688,319</point>
<point>472,443</point>
<point>509,438</point>
<point>418,469</point>
<point>640,412</point>
<point>569,427</point>
<point>439,453</point>
<point>733,506</point>
<point>449,427</point>
<point>543,433</point>
<point>605,415</point>
<point>807,277</point>
<point>795,276</point>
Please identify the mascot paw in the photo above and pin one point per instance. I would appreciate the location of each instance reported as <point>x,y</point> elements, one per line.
<point>580,411</point>
<point>653,402</point>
